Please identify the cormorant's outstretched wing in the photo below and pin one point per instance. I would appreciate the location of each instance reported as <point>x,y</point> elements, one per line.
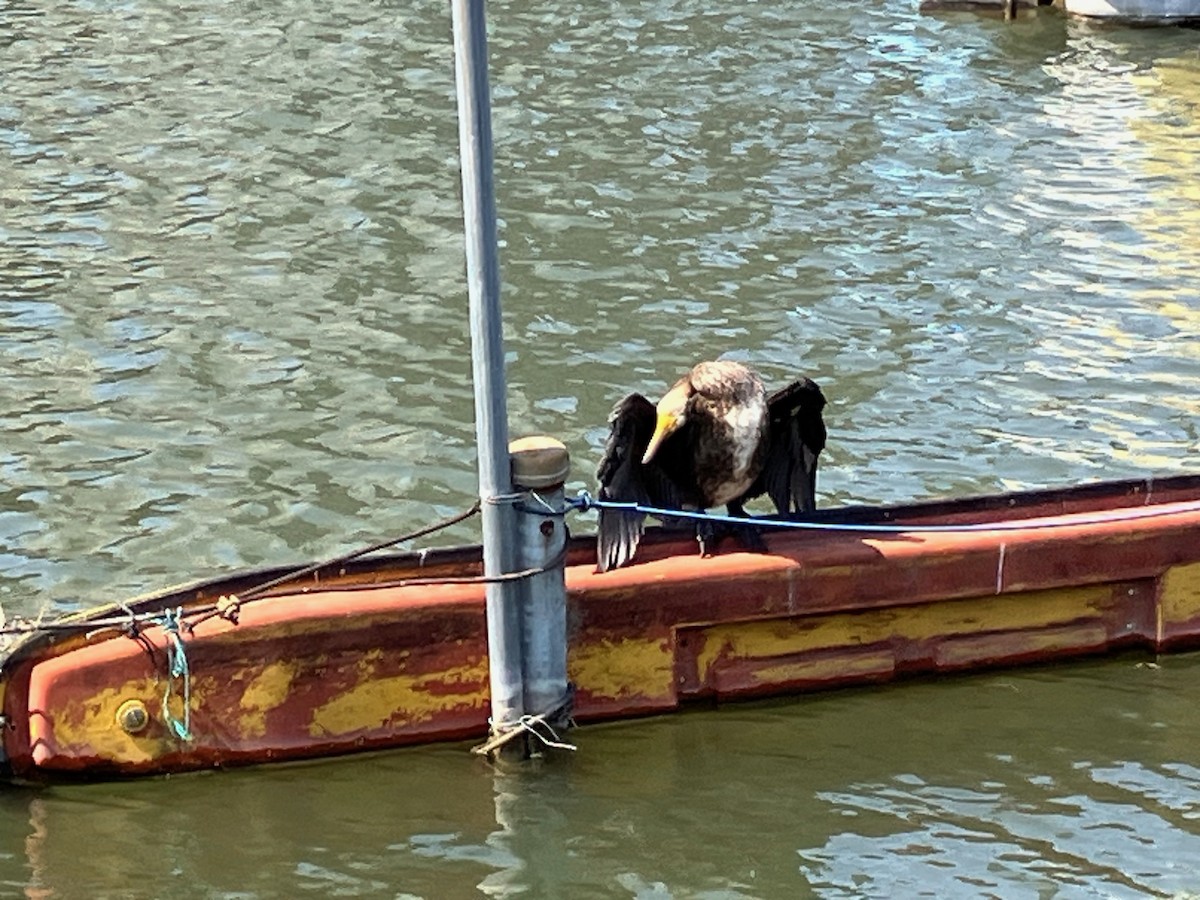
<point>623,478</point>
<point>630,426</point>
<point>795,441</point>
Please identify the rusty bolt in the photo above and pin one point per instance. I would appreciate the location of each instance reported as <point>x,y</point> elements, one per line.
<point>132,716</point>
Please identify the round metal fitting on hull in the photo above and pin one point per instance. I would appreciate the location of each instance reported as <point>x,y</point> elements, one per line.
<point>132,716</point>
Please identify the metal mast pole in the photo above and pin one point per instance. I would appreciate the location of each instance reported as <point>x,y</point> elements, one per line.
<point>487,358</point>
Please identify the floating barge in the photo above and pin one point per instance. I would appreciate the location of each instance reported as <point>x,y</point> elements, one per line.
<point>391,651</point>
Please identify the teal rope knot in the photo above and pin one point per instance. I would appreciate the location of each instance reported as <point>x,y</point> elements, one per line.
<point>177,670</point>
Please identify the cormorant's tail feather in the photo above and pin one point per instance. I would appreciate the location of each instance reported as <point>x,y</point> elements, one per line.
<point>617,538</point>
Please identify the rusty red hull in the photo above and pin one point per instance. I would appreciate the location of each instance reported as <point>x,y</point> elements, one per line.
<point>360,659</point>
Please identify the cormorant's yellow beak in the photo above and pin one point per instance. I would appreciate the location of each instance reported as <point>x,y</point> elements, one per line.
<point>663,426</point>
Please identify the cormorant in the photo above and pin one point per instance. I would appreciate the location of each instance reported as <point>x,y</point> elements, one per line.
<point>714,438</point>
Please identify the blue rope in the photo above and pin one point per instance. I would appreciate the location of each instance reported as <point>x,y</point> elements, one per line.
<point>177,669</point>
<point>585,501</point>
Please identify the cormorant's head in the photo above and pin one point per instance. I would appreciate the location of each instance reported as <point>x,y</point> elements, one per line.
<point>671,414</point>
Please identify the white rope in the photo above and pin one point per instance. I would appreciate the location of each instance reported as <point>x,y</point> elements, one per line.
<point>537,726</point>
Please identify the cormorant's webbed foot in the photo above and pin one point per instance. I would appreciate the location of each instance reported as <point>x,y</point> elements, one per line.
<point>750,537</point>
<point>709,535</point>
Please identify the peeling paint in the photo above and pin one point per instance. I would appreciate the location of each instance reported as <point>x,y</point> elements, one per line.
<point>990,649</point>
<point>782,637</point>
<point>267,690</point>
<point>623,668</point>
<point>89,725</point>
<point>1180,602</point>
<point>851,666</point>
<point>399,701</point>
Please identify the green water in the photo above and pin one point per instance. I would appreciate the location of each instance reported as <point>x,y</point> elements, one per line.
<point>233,332</point>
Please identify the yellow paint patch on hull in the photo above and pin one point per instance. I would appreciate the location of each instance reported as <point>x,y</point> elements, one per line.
<point>398,701</point>
<point>627,667</point>
<point>90,726</point>
<point>785,637</point>
<point>963,652</point>
<point>266,690</point>
<point>1179,602</point>
<point>851,666</point>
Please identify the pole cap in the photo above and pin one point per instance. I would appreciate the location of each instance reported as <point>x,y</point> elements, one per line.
<point>539,462</point>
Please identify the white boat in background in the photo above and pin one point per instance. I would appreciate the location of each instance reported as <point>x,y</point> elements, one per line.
<point>1133,12</point>
<point>1156,12</point>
